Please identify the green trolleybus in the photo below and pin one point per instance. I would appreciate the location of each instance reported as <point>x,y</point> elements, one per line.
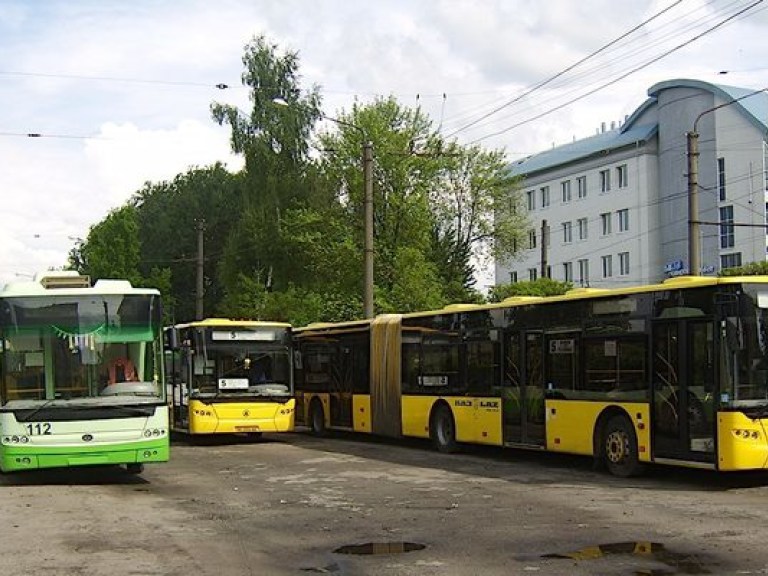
<point>230,377</point>
<point>672,373</point>
<point>81,374</point>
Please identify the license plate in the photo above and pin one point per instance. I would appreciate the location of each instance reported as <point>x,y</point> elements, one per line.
<point>247,428</point>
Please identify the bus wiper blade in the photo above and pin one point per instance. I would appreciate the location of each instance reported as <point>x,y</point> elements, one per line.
<point>37,410</point>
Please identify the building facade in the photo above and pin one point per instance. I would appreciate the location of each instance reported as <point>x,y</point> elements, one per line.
<point>613,209</point>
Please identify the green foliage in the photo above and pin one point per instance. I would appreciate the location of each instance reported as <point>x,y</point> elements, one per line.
<point>111,249</point>
<point>169,214</point>
<point>540,287</point>
<point>751,269</point>
<point>284,238</point>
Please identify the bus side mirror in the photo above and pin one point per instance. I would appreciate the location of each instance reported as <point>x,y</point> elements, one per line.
<point>172,338</point>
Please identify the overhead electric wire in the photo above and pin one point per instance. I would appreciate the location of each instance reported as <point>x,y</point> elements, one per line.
<point>565,70</point>
<point>618,78</point>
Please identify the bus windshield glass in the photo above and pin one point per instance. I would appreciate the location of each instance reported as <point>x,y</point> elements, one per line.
<point>744,376</point>
<point>61,349</point>
<point>241,363</point>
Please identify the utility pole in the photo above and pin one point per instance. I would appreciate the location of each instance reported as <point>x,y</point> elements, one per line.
<point>544,242</point>
<point>694,238</point>
<point>368,248</point>
<point>200,259</point>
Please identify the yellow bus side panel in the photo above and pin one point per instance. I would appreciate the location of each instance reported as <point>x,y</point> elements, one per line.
<point>415,412</point>
<point>571,426</point>
<point>742,442</point>
<point>478,420</point>
<point>235,417</point>
<point>361,413</point>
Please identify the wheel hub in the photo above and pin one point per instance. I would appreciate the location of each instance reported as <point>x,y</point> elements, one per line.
<point>616,446</point>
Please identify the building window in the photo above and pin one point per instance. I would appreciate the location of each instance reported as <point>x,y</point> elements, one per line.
<point>726,232</point>
<point>545,196</point>
<point>582,224</point>
<point>584,272</point>
<point>730,260</point>
<point>531,238</point>
<point>532,274</point>
<point>568,271</point>
<point>721,179</point>
<point>622,176</point>
<point>531,197</point>
<point>623,219</point>
<point>549,271</point>
<point>581,186</point>
<point>607,266</point>
<point>513,277</point>
<point>623,263</point>
<point>605,180</point>
<point>605,223</point>
<point>565,188</point>
<point>567,232</point>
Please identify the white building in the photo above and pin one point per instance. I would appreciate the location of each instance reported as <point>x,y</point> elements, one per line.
<point>616,204</point>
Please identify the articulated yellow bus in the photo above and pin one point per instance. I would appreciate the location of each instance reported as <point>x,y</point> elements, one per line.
<point>230,377</point>
<point>672,373</point>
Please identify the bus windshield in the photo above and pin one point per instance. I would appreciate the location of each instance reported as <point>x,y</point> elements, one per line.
<point>744,381</point>
<point>226,369</point>
<point>63,349</point>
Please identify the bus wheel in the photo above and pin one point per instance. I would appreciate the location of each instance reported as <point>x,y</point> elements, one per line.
<point>134,468</point>
<point>620,448</point>
<point>317,418</point>
<point>443,430</point>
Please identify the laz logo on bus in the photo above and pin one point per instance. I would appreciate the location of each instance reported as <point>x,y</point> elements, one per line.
<point>492,404</point>
<point>38,429</point>
<point>463,403</point>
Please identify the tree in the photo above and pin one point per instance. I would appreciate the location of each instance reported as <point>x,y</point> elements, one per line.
<point>751,269</point>
<point>112,248</point>
<point>540,287</point>
<point>477,212</point>
<point>402,218</point>
<point>275,142</point>
<point>169,214</point>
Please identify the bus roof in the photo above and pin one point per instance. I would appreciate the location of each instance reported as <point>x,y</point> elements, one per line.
<point>232,323</point>
<point>58,283</point>
<point>676,283</point>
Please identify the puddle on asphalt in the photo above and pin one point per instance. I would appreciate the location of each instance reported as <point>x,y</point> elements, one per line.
<point>372,548</point>
<point>678,563</point>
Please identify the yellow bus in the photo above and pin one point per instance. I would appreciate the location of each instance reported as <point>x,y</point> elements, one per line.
<point>230,377</point>
<point>672,373</point>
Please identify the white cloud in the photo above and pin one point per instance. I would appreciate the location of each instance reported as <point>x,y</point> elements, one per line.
<point>478,53</point>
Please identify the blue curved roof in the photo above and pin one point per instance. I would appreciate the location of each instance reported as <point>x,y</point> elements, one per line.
<point>598,144</point>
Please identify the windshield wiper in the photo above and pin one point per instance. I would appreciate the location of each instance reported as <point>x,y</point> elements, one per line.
<point>37,410</point>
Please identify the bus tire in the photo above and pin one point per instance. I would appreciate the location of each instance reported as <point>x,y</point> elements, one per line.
<point>442,430</point>
<point>620,448</point>
<point>135,468</point>
<point>317,418</point>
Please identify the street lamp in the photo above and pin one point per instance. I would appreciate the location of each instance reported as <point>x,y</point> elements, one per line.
<point>367,158</point>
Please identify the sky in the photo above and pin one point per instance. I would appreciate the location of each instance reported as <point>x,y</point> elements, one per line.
<point>120,92</point>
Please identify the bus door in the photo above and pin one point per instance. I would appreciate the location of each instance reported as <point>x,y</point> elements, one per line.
<point>523,388</point>
<point>342,385</point>
<point>683,390</point>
